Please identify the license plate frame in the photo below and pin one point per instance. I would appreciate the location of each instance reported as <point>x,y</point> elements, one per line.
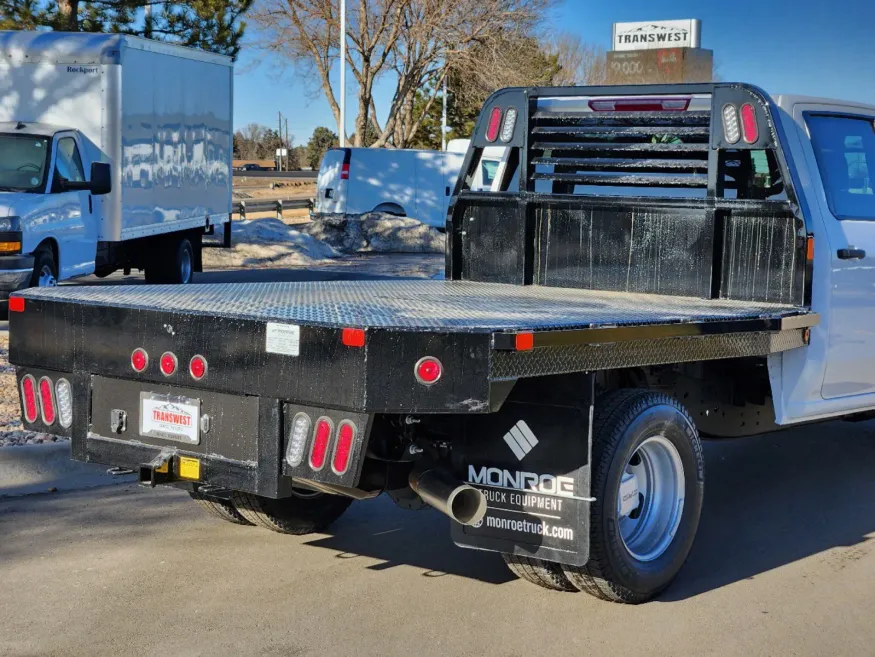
<point>170,417</point>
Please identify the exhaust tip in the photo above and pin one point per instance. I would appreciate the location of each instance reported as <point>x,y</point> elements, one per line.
<point>467,505</point>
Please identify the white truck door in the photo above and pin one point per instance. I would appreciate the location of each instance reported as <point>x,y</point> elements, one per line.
<point>333,182</point>
<point>68,218</point>
<point>842,152</point>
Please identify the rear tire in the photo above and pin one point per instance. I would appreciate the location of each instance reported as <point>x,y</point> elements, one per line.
<point>173,262</point>
<point>219,508</point>
<point>303,513</point>
<point>635,557</point>
<point>545,574</point>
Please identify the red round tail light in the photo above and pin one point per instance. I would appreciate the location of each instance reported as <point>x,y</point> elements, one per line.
<point>428,370</point>
<point>139,360</point>
<point>168,363</point>
<point>494,124</point>
<point>749,128</point>
<point>197,367</point>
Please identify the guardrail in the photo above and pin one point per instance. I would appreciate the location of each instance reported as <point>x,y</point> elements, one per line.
<point>241,208</point>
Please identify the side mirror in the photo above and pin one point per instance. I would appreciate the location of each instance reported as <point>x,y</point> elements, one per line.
<point>101,178</point>
<point>100,183</point>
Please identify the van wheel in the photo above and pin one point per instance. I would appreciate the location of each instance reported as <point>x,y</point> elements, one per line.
<point>219,508</point>
<point>45,269</point>
<point>173,263</point>
<point>545,574</point>
<point>648,482</point>
<point>304,512</point>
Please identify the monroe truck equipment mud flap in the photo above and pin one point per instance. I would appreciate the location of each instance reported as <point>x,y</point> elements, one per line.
<point>532,462</point>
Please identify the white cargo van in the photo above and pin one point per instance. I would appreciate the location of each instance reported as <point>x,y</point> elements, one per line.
<point>412,183</point>
<point>115,153</point>
<point>485,174</point>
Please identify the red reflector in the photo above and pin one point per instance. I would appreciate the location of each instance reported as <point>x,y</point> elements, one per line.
<point>16,304</point>
<point>353,337</point>
<point>428,370</point>
<point>321,438</point>
<point>139,360</point>
<point>809,248</point>
<point>494,124</point>
<point>525,341</point>
<point>28,398</point>
<point>639,104</point>
<point>168,363</point>
<point>343,447</point>
<point>197,367</point>
<point>344,171</point>
<point>47,400</point>
<point>749,128</point>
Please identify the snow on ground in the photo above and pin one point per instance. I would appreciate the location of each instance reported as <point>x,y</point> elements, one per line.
<point>268,242</point>
<point>376,232</point>
<point>11,431</point>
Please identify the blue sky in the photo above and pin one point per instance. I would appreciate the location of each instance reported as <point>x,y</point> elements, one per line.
<point>814,47</point>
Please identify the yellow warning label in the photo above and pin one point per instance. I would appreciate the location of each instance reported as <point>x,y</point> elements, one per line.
<point>163,469</point>
<point>189,468</point>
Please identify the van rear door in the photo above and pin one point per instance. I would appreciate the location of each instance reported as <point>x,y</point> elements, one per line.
<point>333,182</point>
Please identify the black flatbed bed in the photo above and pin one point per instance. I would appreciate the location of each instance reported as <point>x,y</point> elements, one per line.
<point>426,305</point>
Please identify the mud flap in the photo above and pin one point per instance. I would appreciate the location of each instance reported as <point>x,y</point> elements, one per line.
<point>532,461</point>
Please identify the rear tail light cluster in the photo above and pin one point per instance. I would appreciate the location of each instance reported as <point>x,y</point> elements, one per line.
<point>496,128</point>
<point>327,443</point>
<point>740,123</point>
<point>47,400</point>
<point>169,364</point>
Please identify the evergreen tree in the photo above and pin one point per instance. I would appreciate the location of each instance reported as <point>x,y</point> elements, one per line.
<point>321,141</point>
<point>214,25</point>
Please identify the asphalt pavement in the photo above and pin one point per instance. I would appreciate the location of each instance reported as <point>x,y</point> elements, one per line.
<point>784,565</point>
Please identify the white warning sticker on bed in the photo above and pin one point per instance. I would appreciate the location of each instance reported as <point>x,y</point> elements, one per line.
<point>283,339</point>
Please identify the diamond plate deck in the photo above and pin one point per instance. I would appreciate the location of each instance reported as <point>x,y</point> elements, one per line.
<point>417,305</point>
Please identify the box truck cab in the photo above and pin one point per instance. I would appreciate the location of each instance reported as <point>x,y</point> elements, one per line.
<point>115,153</point>
<point>48,178</point>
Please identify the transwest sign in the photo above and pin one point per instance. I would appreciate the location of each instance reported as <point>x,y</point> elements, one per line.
<point>658,34</point>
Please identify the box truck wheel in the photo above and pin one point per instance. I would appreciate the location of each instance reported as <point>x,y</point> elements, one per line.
<point>304,512</point>
<point>45,269</point>
<point>220,508</point>
<point>172,263</point>
<point>648,482</point>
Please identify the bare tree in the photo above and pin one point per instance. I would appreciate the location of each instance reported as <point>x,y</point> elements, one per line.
<point>579,62</point>
<point>417,41</point>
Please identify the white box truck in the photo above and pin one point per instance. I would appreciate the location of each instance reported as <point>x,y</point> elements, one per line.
<point>115,153</point>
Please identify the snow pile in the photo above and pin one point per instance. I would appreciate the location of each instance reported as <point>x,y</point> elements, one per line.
<point>268,242</point>
<point>376,232</point>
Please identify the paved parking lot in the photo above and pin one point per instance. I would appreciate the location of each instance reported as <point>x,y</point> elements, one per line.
<point>784,565</point>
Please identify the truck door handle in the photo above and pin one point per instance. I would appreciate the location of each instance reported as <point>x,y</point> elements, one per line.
<point>851,254</point>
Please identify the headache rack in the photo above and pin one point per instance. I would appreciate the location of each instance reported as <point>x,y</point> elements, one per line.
<point>669,189</point>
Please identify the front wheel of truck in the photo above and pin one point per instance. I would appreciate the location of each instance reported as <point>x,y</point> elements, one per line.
<point>648,485</point>
<point>304,512</point>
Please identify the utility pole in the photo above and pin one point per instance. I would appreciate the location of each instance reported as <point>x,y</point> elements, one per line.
<point>444,118</point>
<point>279,156</point>
<point>343,73</point>
<point>288,146</point>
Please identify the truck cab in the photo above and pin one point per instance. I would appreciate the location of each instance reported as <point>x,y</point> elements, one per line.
<point>49,178</point>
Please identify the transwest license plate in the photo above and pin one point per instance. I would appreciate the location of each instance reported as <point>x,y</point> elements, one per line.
<point>170,417</point>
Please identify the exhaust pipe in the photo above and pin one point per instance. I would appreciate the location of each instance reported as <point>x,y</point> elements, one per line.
<point>437,487</point>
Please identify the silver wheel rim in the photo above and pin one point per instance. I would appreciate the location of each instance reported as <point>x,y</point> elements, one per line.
<point>185,266</point>
<point>46,277</point>
<point>650,501</point>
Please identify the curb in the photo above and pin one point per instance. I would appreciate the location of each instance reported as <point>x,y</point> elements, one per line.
<point>49,468</point>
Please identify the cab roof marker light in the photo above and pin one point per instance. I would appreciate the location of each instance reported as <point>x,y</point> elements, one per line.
<point>731,128</point>
<point>509,124</point>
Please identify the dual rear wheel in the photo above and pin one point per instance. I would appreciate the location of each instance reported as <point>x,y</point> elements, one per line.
<point>647,481</point>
